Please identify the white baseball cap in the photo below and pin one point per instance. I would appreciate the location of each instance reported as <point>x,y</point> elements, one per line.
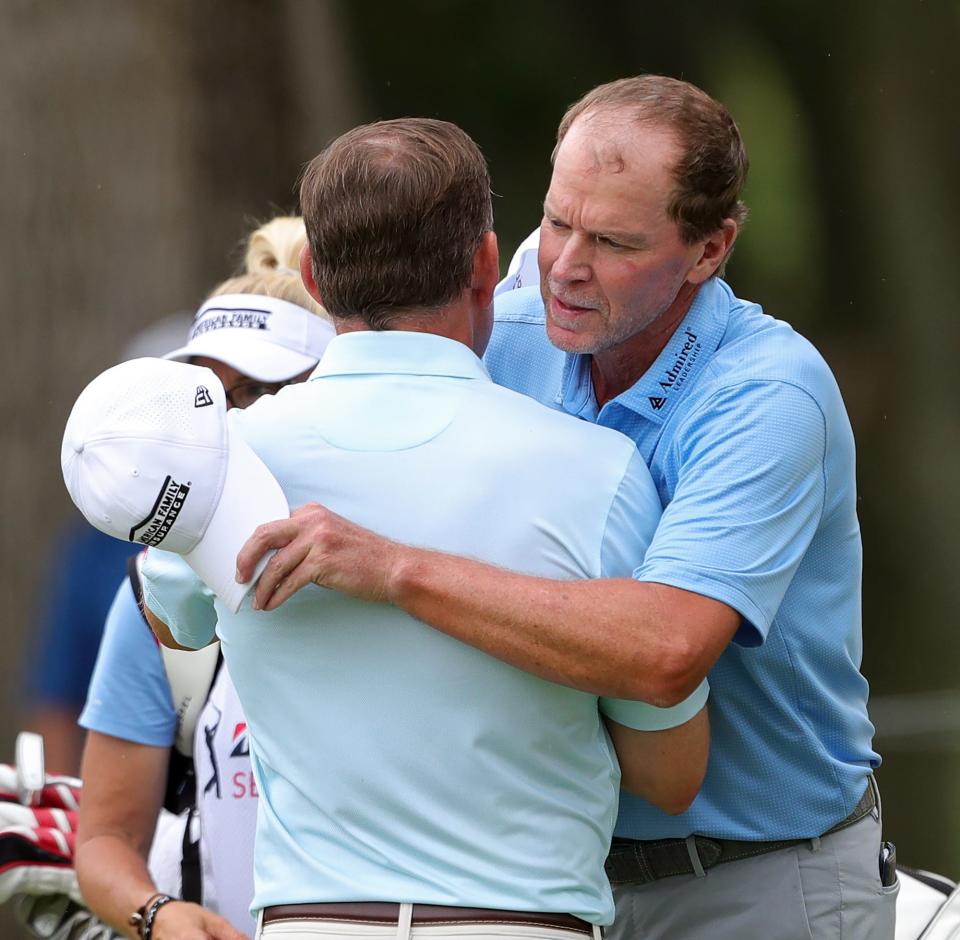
<point>270,340</point>
<point>148,456</point>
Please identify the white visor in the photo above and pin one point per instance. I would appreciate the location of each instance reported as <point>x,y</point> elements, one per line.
<point>268,339</point>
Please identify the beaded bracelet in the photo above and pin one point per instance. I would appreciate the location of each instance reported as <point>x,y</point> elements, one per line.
<point>143,917</point>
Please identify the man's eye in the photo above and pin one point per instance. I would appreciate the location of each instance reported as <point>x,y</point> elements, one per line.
<point>557,224</point>
<point>610,243</point>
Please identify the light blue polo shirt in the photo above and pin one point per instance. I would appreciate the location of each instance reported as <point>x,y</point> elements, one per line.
<point>394,762</point>
<point>742,425</point>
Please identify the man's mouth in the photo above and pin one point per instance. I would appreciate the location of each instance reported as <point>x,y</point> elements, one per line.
<point>568,307</point>
<point>565,312</point>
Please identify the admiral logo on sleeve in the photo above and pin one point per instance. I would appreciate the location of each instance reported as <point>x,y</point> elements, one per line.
<point>164,514</point>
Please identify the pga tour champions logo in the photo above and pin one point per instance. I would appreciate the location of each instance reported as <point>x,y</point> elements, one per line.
<point>155,528</point>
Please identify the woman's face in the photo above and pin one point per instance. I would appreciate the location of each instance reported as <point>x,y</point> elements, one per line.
<point>242,391</point>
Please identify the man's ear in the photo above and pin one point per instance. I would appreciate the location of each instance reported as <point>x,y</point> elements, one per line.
<point>486,270</point>
<point>306,274</point>
<point>714,252</point>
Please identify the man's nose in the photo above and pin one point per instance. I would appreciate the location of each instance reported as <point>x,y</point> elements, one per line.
<point>573,263</point>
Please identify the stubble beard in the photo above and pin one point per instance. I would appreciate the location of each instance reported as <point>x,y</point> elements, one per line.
<point>606,337</point>
<point>569,340</point>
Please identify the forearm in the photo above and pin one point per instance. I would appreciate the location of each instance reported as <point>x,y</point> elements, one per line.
<point>667,767</point>
<point>614,637</point>
<point>114,879</point>
<point>123,790</point>
<point>115,882</point>
<point>123,786</point>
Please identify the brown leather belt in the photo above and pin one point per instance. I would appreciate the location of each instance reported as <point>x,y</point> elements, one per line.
<point>633,862</point>
<point>382,912</point>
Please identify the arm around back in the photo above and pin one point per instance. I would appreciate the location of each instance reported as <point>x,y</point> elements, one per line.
<point>666,767</point>
<point>178,606</point>
<point>611,636</point>
<point>162,632</point>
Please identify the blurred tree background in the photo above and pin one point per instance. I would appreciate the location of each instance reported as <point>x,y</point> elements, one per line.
<point>141,140</point>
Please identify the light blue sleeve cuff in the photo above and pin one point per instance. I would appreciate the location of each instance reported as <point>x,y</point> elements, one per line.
<point>643,717</point>
<point>175,595</point>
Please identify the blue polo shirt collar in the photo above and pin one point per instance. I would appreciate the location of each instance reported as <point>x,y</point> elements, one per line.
<point>398,352</point>
<point>655,395</point>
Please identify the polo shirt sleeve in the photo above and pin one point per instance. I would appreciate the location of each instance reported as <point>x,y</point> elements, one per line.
<point>643,717</point>
<point>631,524</point>
<point>174,593</point>
<point>129,696</point>
<point>749,498</point>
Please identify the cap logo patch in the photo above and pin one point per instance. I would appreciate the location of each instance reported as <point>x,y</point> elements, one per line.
<point>202,398</point>
<point>163,515</point>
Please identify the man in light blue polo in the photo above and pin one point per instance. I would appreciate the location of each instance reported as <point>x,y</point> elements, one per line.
<point>753,575</point>
<point>409,781</point>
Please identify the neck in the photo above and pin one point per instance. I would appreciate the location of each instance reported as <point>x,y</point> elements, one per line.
<point>616,369</point>
<point>454,321</point>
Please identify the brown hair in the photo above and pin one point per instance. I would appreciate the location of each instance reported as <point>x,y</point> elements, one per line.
<point>395,212</point>
<point>713,164</point>
<point>271,265</point>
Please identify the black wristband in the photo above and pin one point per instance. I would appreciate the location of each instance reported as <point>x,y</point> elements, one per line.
<point>143,917</point>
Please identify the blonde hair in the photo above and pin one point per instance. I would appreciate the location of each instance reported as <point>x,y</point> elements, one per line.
<point>272,265</point>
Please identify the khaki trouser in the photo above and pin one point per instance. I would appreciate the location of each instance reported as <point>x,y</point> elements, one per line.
<point>824,889</point>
